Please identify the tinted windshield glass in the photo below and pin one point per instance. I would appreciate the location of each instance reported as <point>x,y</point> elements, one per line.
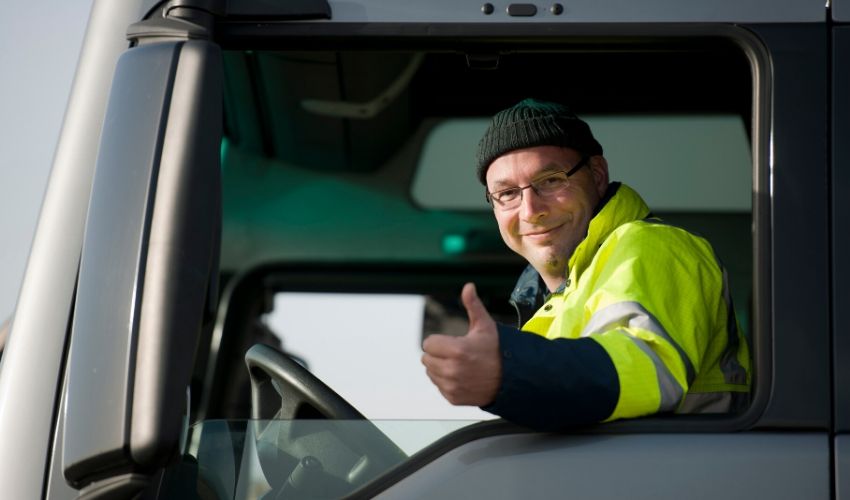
<point>252,459</point>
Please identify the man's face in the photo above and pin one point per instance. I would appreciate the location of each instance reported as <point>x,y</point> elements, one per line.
<point>546,230</point>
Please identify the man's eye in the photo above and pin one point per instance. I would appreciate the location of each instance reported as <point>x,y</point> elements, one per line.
<point>508,194</point>
<point>550,182</point>
<point>550,185</point>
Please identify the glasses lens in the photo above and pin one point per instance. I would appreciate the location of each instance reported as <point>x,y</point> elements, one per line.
<point>508,198</point>
<point>551,184</point>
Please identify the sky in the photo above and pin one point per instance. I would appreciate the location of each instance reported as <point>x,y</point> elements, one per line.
<point>39,48</point>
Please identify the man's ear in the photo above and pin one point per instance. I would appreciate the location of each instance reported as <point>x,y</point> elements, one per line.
<point>599,170</point>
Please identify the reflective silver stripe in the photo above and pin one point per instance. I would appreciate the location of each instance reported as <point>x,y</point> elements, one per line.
<point>633,314</point>
<point>671,391</point>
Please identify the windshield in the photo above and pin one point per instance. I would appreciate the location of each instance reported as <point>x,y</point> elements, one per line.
<point>252,459</point>
<point>375,360</point>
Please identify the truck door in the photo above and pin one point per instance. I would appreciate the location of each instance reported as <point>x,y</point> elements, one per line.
<point>841,244</point>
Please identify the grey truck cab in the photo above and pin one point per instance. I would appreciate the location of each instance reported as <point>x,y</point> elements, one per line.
<point>258,209</point>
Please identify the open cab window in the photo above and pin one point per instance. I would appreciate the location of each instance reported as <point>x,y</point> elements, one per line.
<point>352,217</point>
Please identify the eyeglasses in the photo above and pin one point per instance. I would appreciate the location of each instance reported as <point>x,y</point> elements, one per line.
<point>546,186</point>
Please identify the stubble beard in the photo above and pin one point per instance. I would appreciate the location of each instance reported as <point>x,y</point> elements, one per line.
<point>551,267</point>
<point>554,263</point>
<point>558,257</point>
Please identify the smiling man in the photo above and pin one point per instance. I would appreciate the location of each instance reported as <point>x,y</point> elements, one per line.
<point>620,315</point>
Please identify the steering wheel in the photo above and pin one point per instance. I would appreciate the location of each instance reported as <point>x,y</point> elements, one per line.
<point>283,393</point>
<point>283,389</point>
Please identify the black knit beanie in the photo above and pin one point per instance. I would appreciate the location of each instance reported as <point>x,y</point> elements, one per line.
<point>533,123</point>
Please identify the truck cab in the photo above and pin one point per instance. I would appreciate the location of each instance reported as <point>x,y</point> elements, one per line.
<point>258,210</point>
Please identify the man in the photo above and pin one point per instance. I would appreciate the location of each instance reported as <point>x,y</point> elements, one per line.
<point>635,317</point>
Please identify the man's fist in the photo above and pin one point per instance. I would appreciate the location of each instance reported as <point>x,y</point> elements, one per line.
<point>467,370</point>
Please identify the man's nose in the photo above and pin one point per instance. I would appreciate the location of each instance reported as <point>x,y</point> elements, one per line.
<point>532,206</point>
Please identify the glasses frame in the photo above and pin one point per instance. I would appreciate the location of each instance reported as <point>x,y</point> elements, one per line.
<point>494,202</point>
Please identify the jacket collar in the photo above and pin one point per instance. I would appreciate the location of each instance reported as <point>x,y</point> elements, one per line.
<point>619,205</point>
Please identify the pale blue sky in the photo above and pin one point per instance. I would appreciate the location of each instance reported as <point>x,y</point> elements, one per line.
<point>39,47</point>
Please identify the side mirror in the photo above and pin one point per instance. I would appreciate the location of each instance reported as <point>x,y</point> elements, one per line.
<point>150,261</point>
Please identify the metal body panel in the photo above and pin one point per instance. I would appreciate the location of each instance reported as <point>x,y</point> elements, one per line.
<point>581,11</point>
<point>841,226</point>
<point>33,359</point>
<point>800,395</point>
<point>840,11</point>
<point>842,467</point>
<point>651,466</point>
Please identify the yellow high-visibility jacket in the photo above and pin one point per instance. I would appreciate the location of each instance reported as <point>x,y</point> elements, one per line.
<point>643,324</point>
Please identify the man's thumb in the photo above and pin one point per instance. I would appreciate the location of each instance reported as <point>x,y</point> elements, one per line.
<point>474,307</point>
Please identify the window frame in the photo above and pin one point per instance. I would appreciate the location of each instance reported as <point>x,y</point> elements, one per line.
<point>443,36</point>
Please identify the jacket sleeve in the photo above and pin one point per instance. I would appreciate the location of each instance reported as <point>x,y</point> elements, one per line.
<point>552,384</point>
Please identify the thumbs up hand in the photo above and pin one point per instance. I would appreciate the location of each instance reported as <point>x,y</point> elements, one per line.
<point>467,370</point>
